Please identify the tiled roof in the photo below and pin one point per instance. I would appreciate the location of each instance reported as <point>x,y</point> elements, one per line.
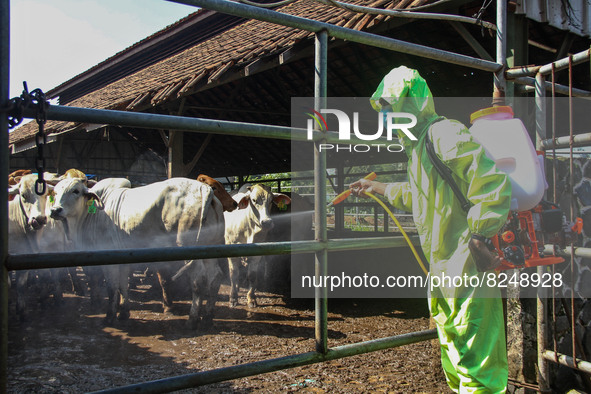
<point>209,60</point>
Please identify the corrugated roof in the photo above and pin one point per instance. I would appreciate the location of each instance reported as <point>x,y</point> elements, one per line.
<point>207,61</point>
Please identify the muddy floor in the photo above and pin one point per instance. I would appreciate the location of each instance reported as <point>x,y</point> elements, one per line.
<point>68,349</point>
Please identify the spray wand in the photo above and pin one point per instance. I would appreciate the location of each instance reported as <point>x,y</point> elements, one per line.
<point>341,197</point>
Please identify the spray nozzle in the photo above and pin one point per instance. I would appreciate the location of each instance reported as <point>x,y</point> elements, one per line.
<point>343,196</point>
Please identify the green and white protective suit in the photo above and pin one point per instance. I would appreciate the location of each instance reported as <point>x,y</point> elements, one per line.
<point>469,321</point>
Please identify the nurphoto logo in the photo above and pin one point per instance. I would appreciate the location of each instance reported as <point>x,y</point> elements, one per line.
<point>386,121</point>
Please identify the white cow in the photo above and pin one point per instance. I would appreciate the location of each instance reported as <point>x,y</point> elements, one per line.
<point>250,224</point>
<point>168,272</point>
<point>30,231</point>
<point>175,212</point>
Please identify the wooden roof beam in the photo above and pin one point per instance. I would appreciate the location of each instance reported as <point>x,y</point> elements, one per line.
<point>139,101</point>
<point>191,165</point>
<point>192,82</point>
<point>474,44</point>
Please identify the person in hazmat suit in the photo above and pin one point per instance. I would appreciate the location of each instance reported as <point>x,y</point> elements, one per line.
<point>469,320</point>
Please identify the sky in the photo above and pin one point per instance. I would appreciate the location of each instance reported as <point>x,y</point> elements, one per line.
<point>52,41</point>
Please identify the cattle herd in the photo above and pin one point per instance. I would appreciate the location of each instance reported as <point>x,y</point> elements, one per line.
<point>76,214</point>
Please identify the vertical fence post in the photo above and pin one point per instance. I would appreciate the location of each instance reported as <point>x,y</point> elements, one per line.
<point>320,90</point>
<point>4,81</point>
<point>542,299</point>
<point>500,83</point>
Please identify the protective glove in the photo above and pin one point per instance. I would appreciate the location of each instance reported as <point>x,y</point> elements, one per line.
<point>481,250</point>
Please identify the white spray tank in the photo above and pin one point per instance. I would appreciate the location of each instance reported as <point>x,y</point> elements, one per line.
<point>506,141</point>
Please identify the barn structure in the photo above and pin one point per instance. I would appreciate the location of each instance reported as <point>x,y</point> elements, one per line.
<point>212,65</point>
<point>216,66</point>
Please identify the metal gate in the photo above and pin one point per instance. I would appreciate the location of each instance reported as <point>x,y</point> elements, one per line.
<point>547,315</point>
<point>320,246</point>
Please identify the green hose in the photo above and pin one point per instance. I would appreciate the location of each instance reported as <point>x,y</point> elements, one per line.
<point>414,251</point>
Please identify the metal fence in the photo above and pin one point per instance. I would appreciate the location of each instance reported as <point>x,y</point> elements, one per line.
<point>545,356</point>
<point>320,246</point>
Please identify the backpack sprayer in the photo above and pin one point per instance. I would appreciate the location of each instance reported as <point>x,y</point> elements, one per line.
<point>531,221</point>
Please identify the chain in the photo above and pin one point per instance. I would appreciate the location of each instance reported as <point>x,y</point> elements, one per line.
<point>16,109</point>
<point>40,138</point>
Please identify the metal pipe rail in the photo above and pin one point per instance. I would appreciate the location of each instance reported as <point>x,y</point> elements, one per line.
<point>499,80</point>
<point>128,256</point>
<point>563,359</point>
<point>168,122</point>
<point>408,14</point>
<point>320,230</point>
<point>564,142</point>
<point>188,124</point>
<point>343,33</point>
<point>541,298</point>
<point>4,91</point>
<point>530,82</point>
<point>566,252</point>
<point>528,71</point>
<point>276,364</point>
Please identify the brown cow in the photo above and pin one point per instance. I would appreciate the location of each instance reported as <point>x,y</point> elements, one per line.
<point>218,190</point>
<point>14,178</point>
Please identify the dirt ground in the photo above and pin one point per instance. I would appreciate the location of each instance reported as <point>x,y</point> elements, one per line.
<point>68,349</point>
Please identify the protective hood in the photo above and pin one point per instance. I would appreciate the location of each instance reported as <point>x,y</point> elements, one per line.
<point>404,90</point>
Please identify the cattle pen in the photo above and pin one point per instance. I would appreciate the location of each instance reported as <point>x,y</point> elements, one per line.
<point>321,245</point>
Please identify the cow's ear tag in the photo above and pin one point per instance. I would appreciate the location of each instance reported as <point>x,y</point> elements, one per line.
<point>282,205</point>
<point>91,206</point>
<point>51,199</point>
